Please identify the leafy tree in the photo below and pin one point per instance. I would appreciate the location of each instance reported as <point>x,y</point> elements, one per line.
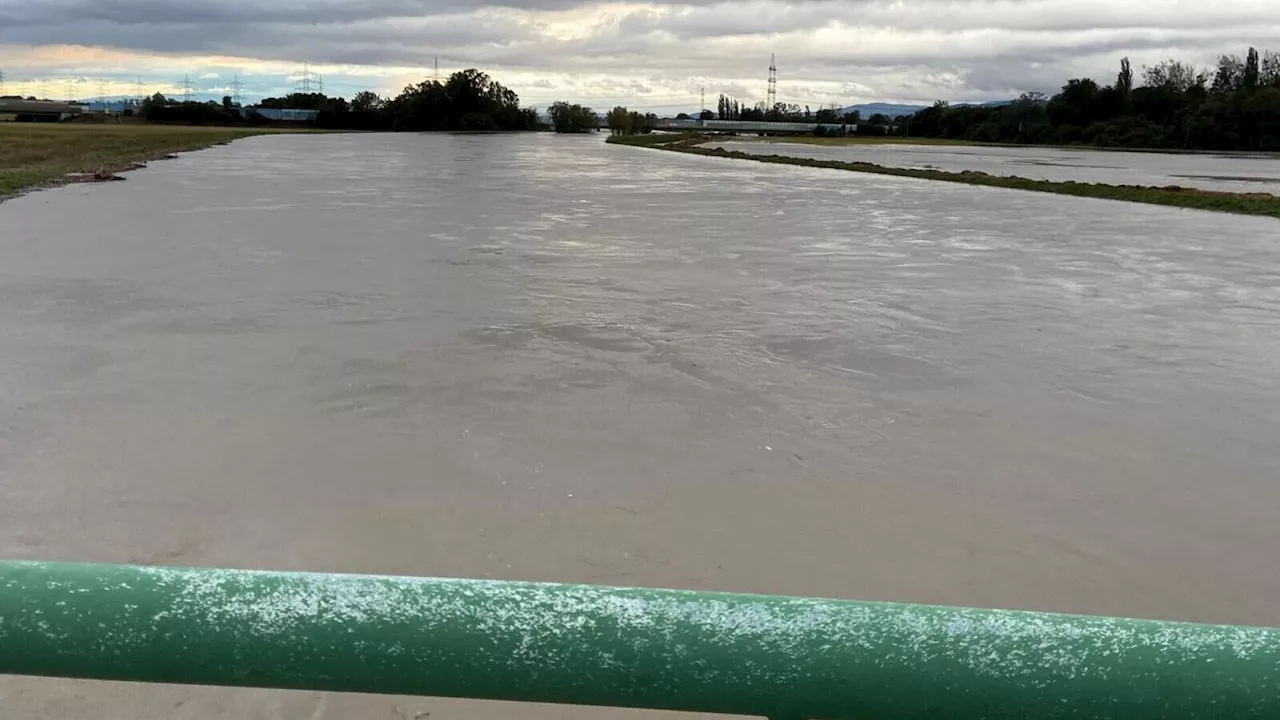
<point>619,121</point>
<point>728,108</point>
<point>1231,108</point>
<point>1230,74</point>
<point>1171,75</point>
<point>1251,70</point>
<point>1269,71</point>
<point>569,118</point>
<point>706,115</point>
<point>826,116</point>
<point>1124,81</point>
<point>366,101</point>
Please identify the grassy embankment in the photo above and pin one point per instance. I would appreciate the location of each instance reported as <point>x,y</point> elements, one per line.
<point>872,140</point>
<point>40,154</point>
<point>900,140</point>
<point>1239,203</point>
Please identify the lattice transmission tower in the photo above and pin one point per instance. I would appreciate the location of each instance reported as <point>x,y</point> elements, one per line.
<point>309,82</point>
<point>773,83</point>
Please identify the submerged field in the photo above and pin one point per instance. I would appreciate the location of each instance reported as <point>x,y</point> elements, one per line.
<point>1244,203</point>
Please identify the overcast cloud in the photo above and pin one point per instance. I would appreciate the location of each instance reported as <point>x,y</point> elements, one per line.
<point>648,55</point>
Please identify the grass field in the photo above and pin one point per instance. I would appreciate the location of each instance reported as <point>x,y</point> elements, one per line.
<point>36,154</point>
<point>1239,203</point>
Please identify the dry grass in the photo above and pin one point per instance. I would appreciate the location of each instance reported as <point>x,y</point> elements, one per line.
<point>35,154</point>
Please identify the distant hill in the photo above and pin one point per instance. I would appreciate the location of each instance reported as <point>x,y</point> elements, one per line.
<point>893,110</point>
<point>890,109</point>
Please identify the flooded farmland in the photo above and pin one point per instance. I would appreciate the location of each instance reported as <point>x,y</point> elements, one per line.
<point>1229,172</point>
<point>544,358</point>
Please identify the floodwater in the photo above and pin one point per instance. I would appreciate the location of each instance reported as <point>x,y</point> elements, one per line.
<point>539,357</point>
<point>1238,173</point>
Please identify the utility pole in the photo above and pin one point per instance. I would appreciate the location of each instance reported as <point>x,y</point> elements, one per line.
<point>702,100</point>
<point>437,75</point>
<point>235,92</point>
<point>1,83</point>
<point>186,88</point>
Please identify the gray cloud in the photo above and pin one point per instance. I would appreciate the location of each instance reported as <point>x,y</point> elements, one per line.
<point>828,49</point>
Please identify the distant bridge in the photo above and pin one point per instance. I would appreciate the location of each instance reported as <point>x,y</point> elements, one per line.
<point>752,126</point>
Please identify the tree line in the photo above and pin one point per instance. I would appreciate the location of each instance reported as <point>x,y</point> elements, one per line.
<point>1233,106</point>
<point>629,122</point>
<point>467,100</point>
<point>730,108</point>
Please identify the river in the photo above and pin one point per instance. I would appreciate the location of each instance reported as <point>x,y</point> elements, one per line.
<point>541,357</point>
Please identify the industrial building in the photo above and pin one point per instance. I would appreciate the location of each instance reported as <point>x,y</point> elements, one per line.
<point>19,110</point>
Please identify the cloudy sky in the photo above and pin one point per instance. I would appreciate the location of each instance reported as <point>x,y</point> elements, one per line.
<point>646,55</point>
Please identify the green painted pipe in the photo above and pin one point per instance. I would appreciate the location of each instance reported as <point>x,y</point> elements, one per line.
<point>675,650</point>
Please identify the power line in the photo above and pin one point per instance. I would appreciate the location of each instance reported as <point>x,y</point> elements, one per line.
<point>186,88</point>
<point>235,92</point>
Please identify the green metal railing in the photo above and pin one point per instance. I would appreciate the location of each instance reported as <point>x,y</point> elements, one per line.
<point>664,649</point>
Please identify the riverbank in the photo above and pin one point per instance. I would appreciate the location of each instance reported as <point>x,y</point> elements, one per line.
<point>1240,203</point>
<point>34,155</point>
<point>865,140</point>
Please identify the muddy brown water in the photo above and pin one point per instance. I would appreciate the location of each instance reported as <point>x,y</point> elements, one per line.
<point>538,357</point>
